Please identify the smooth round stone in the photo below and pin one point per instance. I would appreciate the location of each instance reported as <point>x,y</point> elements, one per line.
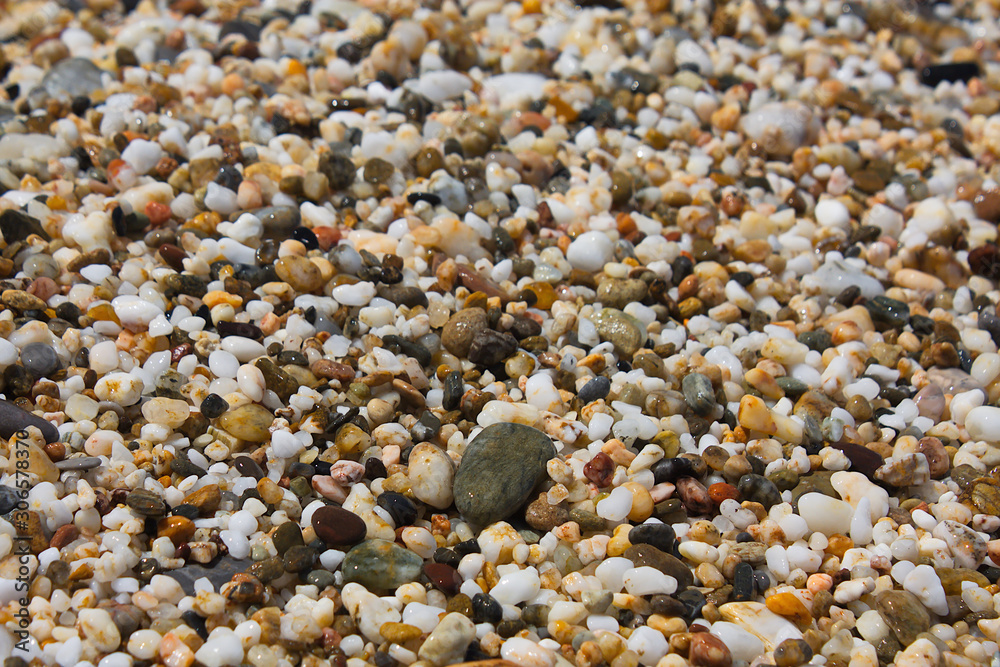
<point>145,503</point>
<point>983,423</point>
<point>618,293</point>
<point>381,565</point>
<point>337,526</point>
<point>299,272</point>
<point>903,613</point>
<point>213,406</point>
<point>431,474</point>
<point>9,498</point>
<point>781,127</point>
<point>321,579</point>
<point>80,463</point>
<point>646,555</point>
<point>73,77</point>
<point>461,329</point>
<point>621,330</point>
<point>14,419</point>
<point>698,393</point>
<point>286,536</point>
<point>40,265</point>
<point>169,412</point>
<point>499,470</point>
<point>659,535</point>
<point>39,359</point>
<point>402,510</point>
<point>120,388</point>
<point>223,364</point>
<point>133,312</point>
<point>248,422</point>
<point>759,489</point>
<point>832,213</point>
<point>590,251</point>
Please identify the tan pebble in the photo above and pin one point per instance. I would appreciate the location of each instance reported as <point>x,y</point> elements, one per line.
<point>167,412</point>
<point>754,415</point>
<point>918,280</point>
<point>269,491</point>
<point>764,383</point>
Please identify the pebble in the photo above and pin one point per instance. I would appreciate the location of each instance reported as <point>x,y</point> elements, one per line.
<point>337,526</point>
<point>498,471</point>
<point>14,419</point>
<point>248,422</point>
<point>590,251</point>
<point>381,565</point>
<point>623,331</point>
<point>431,474</point>
<point>470,304</point>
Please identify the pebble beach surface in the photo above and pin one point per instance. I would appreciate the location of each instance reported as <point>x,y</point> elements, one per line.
<point>534,333</point>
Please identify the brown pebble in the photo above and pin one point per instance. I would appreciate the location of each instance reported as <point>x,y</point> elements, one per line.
<point>178,528</point>
<point>64,535</point>
<point>445,577</point>
<point>206,499</point>
<point>987,204</point>
<point>337,526</point>
<point>707,650</point>
<point>937,457</point>
<point>55,450</point>
<point>332,370</point>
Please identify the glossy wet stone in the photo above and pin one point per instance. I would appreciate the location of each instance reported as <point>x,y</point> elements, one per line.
<point>659,535</point>
<point>498,471</point>
<point>14,419</point>
<point>646,555</point>
<point>904,614</point>
<point>698,393</point>
<point>381,565</point>
<point>337,526</point>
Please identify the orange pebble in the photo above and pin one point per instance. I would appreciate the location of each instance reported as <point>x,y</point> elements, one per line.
<point>819,582</point>
<point>232,83</point>
<point>327,236</point>
<point>839,544</point>
<point>295,67</point>
<point>157,213</point>
<point>789,606</point>
<point>721,491</point>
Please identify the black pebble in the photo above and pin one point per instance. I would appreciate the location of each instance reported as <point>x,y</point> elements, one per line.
<point>743,583</point>
<point>402,510</point>
<point>375,469</point>
<point>186,511</point>
<point>467,547</point>
<point>195,622</point>
<point>306,237</point>
<point>659,535</point>
<point>447,557</point>
<point>428,197</point>
<point>486,609</point>
<point>248,467</point>
<point>670,470</point>
<point>951,72</point>
<point>214,406</point>
<point>595,389</point>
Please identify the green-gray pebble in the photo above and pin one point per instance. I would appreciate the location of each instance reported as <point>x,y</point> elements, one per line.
<point>499,470</point>
<point>381,565</point>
